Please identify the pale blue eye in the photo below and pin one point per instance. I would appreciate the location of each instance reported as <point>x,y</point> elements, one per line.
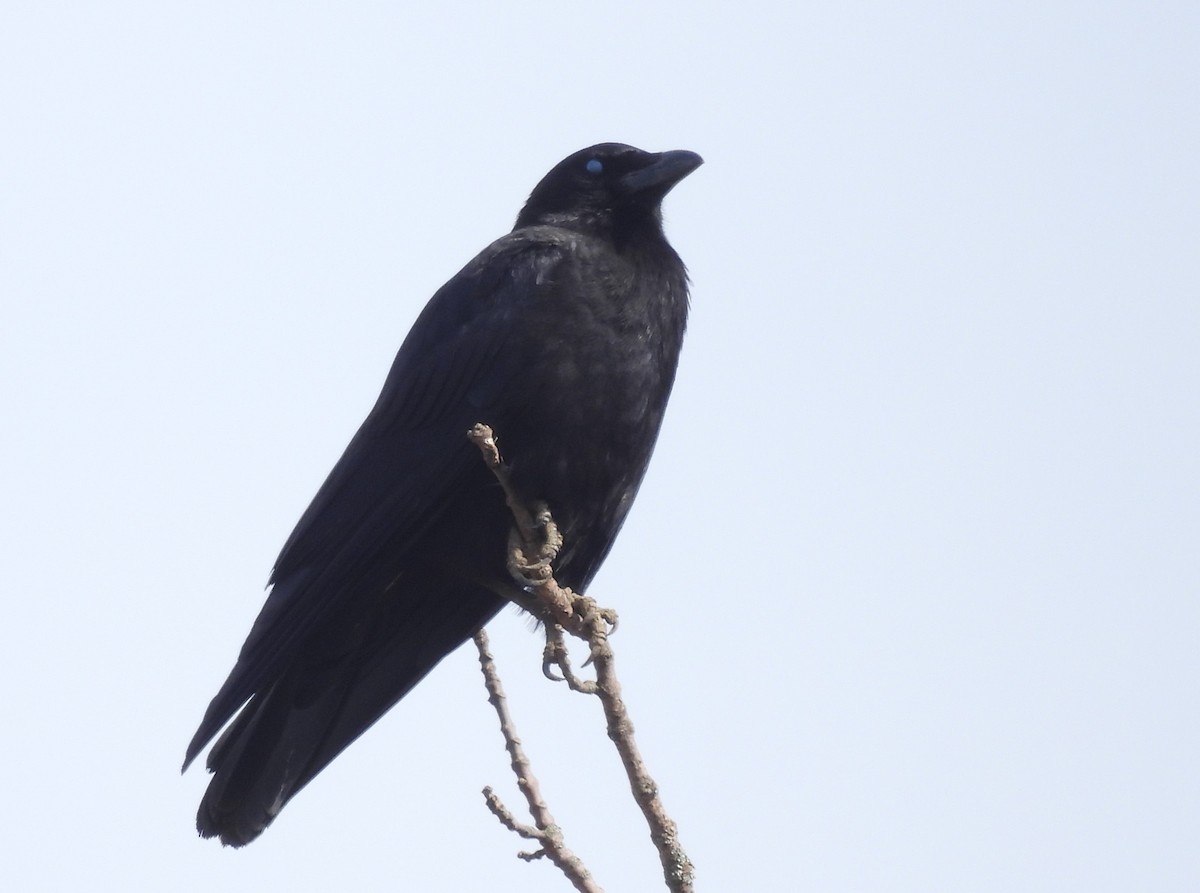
<point>594,166</point>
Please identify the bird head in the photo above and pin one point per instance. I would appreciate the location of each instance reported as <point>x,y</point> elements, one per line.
<point>607,185</point>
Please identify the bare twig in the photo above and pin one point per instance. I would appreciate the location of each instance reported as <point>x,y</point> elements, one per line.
<point>546,832</point>
<point>532,548</point>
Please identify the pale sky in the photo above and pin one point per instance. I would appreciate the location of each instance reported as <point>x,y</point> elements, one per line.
<point>910,599</point>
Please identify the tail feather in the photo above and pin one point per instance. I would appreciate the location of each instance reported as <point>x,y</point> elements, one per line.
<point>261,761</point>
<point>288,733</point>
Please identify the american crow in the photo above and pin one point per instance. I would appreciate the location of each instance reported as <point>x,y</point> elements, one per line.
<point>563,336</point>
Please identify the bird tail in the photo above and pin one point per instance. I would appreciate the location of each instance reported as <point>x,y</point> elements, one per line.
<point>261,761</point>
<point>288,732</point>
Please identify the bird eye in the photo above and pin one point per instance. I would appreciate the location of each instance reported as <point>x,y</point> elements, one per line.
<point>594,166</point>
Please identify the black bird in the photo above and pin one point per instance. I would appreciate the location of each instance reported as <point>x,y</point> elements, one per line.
<point>563,336</point>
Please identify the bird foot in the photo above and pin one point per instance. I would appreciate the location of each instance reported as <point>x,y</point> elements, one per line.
<point>556,659</point>
<point>533,548</point>
<point>528,572</point>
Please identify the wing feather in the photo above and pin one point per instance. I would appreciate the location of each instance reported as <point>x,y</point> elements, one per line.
<point>403,467</point>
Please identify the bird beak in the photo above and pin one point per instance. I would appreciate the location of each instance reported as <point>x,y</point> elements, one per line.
<point>657,178</point>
